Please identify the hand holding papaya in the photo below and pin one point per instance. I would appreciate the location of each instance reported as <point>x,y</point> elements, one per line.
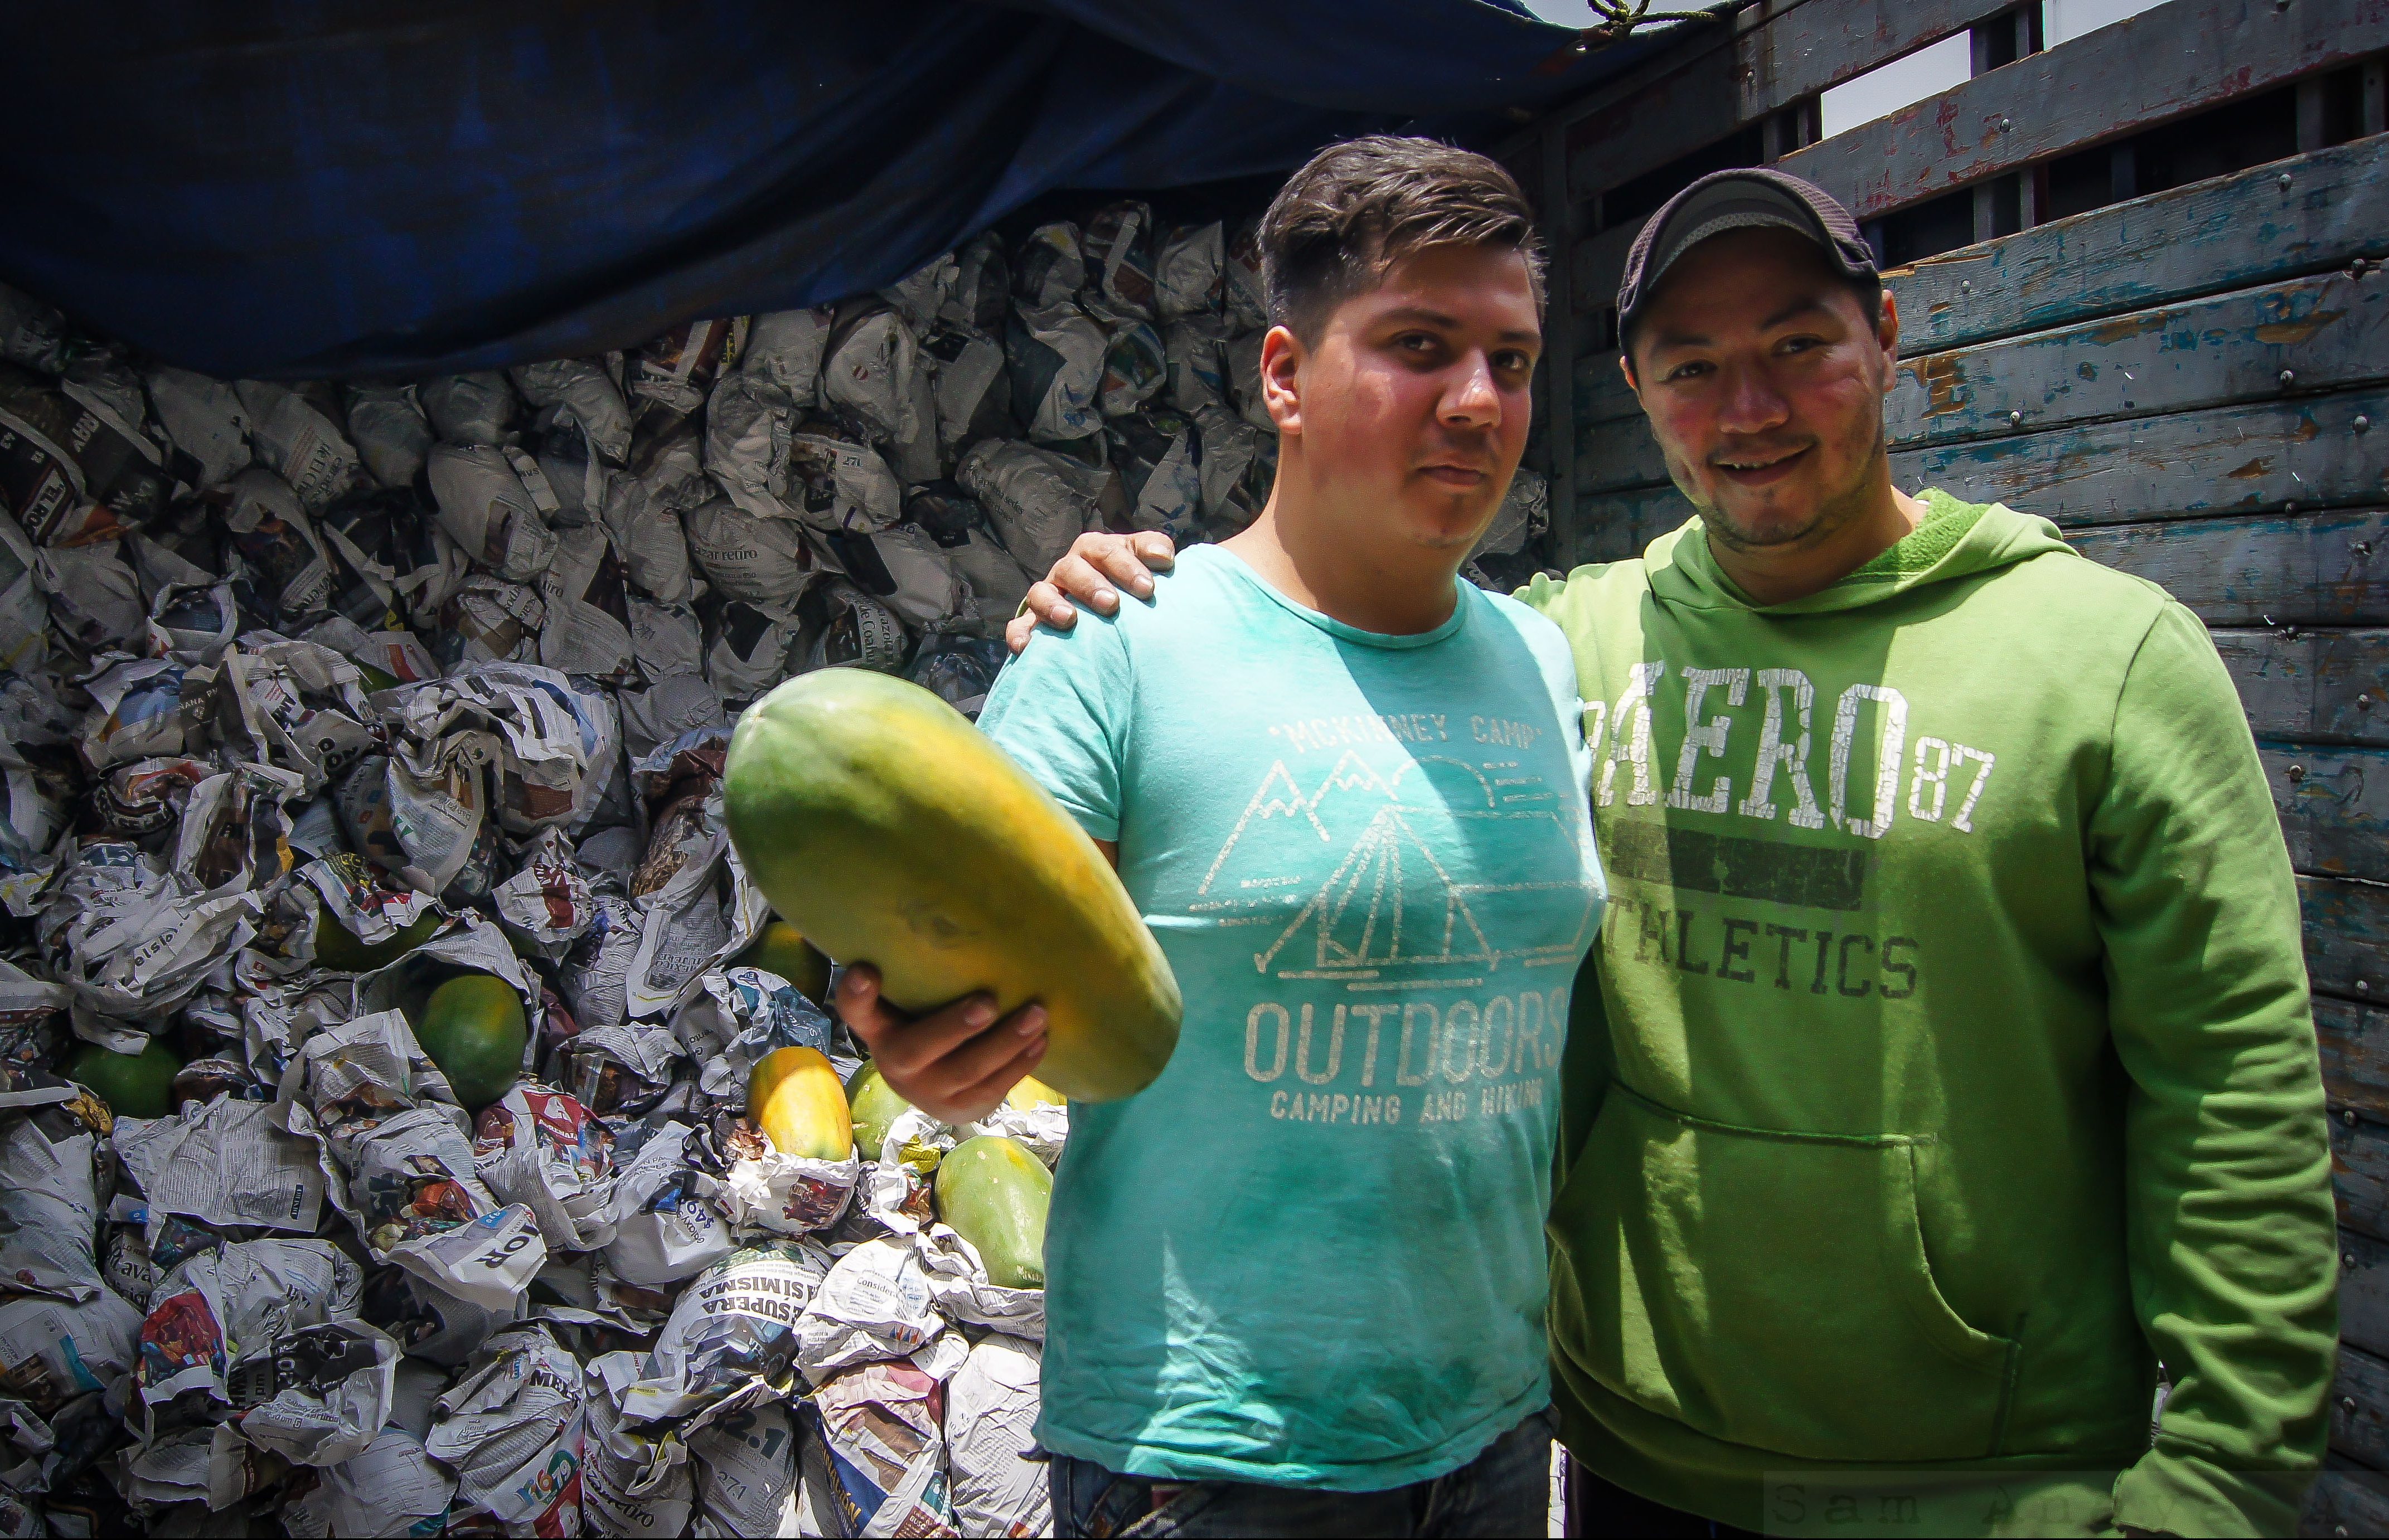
<point>957,1062</point>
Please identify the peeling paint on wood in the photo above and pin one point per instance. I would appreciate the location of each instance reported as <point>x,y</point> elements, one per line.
<point>2261,457</point>
<point>2299,569</point>
<point>2161,64</point>
<point>2360,1409</point>
<point>2328,333</point>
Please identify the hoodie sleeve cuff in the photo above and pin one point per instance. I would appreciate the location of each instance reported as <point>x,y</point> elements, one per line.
<point>2176,1488</point>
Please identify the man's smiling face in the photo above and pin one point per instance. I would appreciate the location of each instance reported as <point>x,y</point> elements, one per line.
<point>1763,377</point>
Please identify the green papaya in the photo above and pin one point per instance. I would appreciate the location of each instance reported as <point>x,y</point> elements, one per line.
<point>994,1194</point>
<point>875,1105</point>
<point>473,1028</point>
<point>889,829</point>
<point>339,947</point>
<point>781,949</point>
<point>134,1085</point>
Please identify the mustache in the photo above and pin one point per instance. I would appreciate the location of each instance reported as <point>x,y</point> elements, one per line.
<point>1760,452</point>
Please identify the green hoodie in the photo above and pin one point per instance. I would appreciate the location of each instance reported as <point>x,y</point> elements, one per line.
<point>1950,1062</point>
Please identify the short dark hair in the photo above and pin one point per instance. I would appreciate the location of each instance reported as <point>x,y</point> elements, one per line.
<point>1356,208</point>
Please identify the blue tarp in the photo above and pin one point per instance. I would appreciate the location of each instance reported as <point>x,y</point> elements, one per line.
<point>285,189</point>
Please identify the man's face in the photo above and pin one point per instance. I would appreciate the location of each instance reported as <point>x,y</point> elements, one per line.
<point>1764,379</point>
<point>1413,406</point>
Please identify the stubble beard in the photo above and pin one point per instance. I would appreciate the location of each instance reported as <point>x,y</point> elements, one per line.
<point>1834,513</point>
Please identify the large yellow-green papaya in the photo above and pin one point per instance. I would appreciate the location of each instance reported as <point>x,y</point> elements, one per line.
<point>995,1193</point>
<point>889,829</point>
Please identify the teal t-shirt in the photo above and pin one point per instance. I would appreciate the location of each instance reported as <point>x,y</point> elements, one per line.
<point>1312,1253</point>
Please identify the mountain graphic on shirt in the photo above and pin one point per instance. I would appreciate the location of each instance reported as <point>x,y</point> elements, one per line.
<point>1353,876</point>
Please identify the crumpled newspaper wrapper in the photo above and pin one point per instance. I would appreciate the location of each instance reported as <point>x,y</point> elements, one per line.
<point>733,1334</point>
<point>217,1307</point>
<point>879,1465</point>
<point>50,1204</point>
<point>1040,501</point>
<point>511,1430</point>
<point>875,1305</point>
<point>767,1191</point>
<point>543,1148</point>
<point>391,1487</point>
<point>991,1426</point>
<point>636,1478</point>
<point>52,1350</point>
<point>746,1473</point>
<point>665,1228</point>
<point>959,1287</point>
<point>737,1017</point>
<point>229,1163</point>
<point>318,1394</point>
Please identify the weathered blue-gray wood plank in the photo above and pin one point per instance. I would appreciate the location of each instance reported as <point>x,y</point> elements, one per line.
<point>2282,456</point>
<point>2274,342</point>
<point>2175,58</point>
<point>2364,1292</point>
<point>2329,687</point>
<point>2276,456</point>
<point>2355,1043</point>
<point>2359,1160</point>
<point>2333,803</point>
<point>2347,1498</point>
<point>2347,934</point>
<point>2226,232</point>
<point>2325,568</point>
<point>2323,332</point>
<point>1730,72</point>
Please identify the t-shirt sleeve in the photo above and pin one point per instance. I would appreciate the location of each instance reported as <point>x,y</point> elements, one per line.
<point>1062,709</point>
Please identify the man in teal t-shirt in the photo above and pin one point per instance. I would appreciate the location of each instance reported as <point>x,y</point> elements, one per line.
<point>1298,1284</point>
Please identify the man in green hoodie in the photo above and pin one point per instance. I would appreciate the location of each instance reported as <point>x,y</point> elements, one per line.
<point>1947,1084</point>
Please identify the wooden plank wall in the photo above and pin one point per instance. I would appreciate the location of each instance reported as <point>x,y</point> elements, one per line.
<point>2195,385</point>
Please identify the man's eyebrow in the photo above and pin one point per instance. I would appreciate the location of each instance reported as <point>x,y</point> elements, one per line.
<point>1796,308</point>
<point>1421,315</point>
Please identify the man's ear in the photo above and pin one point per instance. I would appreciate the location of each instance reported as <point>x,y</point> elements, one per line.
<point>1281,356</point>
<point>1625,367</point>
<point>1886,334</point>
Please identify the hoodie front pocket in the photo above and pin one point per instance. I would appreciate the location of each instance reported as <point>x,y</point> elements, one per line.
<point>1767,1290</point>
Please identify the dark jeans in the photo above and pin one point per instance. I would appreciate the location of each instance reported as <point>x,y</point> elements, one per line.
<point>1602,1510</point>
<point>1504,1491</point>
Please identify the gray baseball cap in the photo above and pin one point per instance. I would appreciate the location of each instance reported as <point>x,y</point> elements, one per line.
<point>1752,198</point>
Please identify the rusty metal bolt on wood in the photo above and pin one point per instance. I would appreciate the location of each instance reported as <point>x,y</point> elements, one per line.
<point>2289,377</point>
<point>2348,1117</point>
<point>2363,424</point>
<point>2297,773</point>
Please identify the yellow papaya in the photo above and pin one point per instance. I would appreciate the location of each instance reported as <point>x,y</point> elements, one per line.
<point>876,1108</point>
<point>782,948</point>
<point>889,829</point>
<point>793,1096</point>
<point>473,1028</point>
<point>1032,1092</point>
<point>995,1193</point>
